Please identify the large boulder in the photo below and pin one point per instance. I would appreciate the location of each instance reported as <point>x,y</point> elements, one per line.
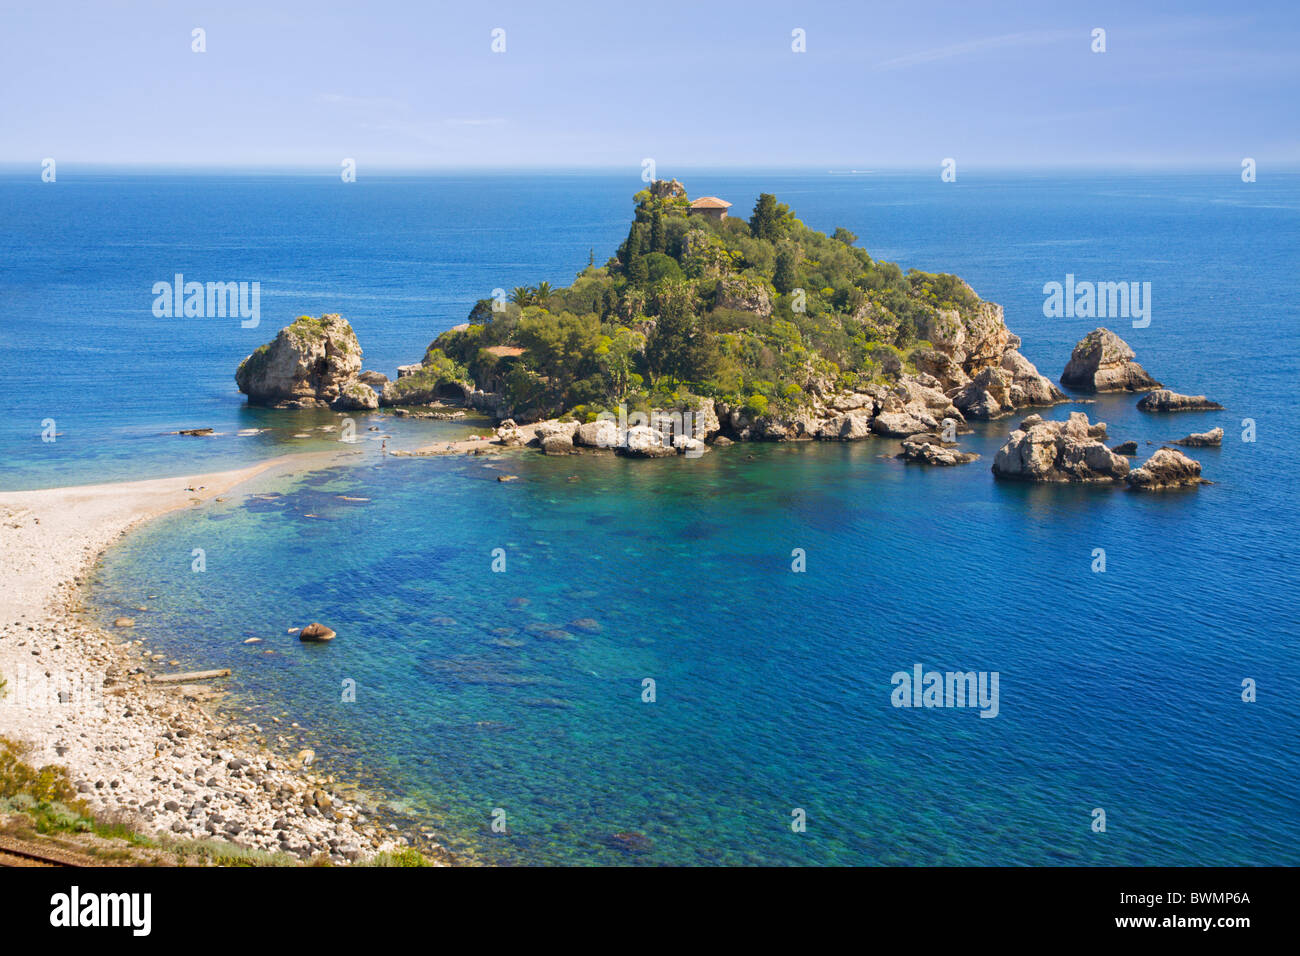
<point>848,426</point>
<point>1103,362</point>
<point>1167,468</point>
<point>1059,451</point>
<point>645,442</point>
<point>1164,400</point>
<point>598,434</point>
<point>554,429</point>
<point>901,424</point>
<point>308,364</point>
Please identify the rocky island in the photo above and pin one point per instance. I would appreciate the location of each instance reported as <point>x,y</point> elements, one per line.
<point>754,330</point>
<point>703,330</point>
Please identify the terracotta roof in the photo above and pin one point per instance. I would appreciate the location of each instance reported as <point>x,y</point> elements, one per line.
<point>504,351</point>
<point>710,202</point>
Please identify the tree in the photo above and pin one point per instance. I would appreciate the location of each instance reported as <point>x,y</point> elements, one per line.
<point>561,348</point>
<point>844,236</point>
<point>767,220</point>
<point>680,346</point>
<point>785,278</point>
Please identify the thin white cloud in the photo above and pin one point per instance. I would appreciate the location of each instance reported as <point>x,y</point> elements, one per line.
<point>1028,38</point>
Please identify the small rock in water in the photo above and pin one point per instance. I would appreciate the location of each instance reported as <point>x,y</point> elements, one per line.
<point>315,633</point>
<point>305,757</point>
<point>588,624</point>
<point>124,622</point>
<point>253,640</point>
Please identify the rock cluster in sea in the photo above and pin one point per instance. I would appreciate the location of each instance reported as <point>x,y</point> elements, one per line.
<point>1070,450</point>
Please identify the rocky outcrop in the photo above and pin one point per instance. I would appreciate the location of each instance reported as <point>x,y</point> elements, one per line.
<point>1208,439</point>
<point>1058,451</point>
<point>1127,448</point>
<point>426,386</point>
<point>1167,468</point>
<point>975,361</point>
<point>311,363</point>
<point>667,189</point>
<point>1164,400</point>
<point>1103,362</point>
<point>744,295</point>
<point>930,450</point>
<point>999,390</point>
<point>356,397</point>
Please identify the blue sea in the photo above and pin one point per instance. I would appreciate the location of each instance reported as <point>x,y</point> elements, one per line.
<point>517,695</point>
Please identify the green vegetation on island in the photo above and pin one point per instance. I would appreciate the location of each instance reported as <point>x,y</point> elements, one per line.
<point>758,314</point>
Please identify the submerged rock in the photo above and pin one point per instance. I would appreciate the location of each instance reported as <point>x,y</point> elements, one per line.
<point>1167,468</point>
<point>1059,451</point>
<point>1103,362</point>
<point>1202,439</point>
<point>1164,400</point>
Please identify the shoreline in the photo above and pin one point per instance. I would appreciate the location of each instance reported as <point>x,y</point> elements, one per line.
<point>149,754</point>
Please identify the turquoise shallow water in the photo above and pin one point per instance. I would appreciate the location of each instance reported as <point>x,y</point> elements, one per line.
<point>1118,690</point>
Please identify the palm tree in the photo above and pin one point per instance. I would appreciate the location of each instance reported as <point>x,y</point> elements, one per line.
<point>542,293</point>
<point>521,296</point>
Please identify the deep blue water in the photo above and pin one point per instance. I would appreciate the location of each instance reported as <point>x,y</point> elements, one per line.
<point>1119,690</point>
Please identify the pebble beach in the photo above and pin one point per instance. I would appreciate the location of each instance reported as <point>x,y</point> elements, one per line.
<point>152,755</point>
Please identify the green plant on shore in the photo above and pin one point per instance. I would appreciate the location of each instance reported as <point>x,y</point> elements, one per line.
<point>407,857</point>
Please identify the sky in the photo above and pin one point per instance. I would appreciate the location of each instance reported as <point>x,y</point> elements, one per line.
<point>878,85</point>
